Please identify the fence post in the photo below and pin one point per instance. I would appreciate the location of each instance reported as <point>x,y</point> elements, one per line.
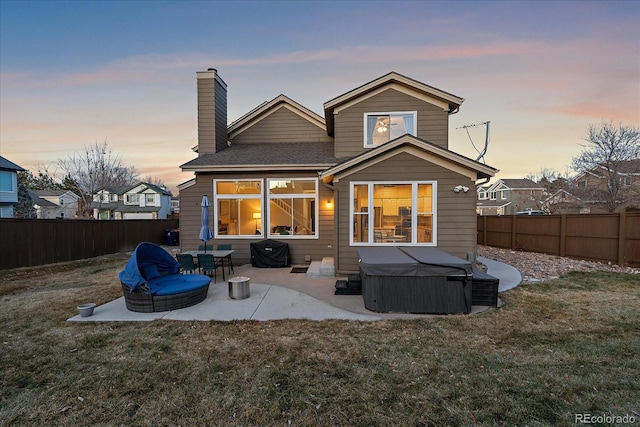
<point>563,234</point>
<point>622,227</point>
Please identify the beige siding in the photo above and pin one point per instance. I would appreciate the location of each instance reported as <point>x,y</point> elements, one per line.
<point>316,248</point>
<point>206,116</point>
<point>221,116</point>
<point>432,121</point>
<point>283,125</point>
<point>456,220</point>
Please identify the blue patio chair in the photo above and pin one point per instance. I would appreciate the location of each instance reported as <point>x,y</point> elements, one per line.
<point>208,247</point>
<point>207,265</point>
<point>186,263</point>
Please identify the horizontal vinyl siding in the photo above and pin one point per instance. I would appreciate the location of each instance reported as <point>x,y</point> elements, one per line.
<point>206,117</point>
<point>190,209</point>
<point>432,121</point>
<point>456,224</point>
<point>220,116</point>
<point>282,126</point>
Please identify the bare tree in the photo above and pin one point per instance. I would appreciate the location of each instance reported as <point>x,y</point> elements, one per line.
<point>609,152</point>
<point>94,169</point>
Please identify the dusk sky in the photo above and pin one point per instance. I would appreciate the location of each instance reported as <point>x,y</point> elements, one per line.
<point>75,73</point>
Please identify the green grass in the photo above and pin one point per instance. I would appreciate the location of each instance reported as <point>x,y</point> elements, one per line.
<point>555,349</point>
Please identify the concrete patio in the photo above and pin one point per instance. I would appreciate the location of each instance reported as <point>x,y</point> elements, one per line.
<point>276,293</point>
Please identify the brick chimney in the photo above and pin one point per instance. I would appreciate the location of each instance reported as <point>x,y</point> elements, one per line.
<point>212,112</point>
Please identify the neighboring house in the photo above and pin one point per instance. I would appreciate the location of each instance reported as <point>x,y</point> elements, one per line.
<point>141,201</point>
<point>175,205</point>
<point>591,186</point>
<point>374,171</point>
<point>8,187</point>
<point>508,196</point>
<point>50,204</point>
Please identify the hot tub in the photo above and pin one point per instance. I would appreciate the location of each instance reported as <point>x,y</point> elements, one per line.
<point>414,279</point>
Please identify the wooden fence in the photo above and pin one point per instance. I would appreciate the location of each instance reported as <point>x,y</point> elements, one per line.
<point>611,238</point>
<point>30,242</point>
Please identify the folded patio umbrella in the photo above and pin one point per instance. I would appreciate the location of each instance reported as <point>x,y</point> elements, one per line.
<point>205,231</point>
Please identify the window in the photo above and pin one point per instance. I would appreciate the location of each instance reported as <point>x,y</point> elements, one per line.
<point>492,195</point>
<point>383,127</point>
<point>131,199</point>
<point>150,199</point>
<point>238,208</point>
<point>393,213</point>
<point>6,181</point>
<point>292,207</point>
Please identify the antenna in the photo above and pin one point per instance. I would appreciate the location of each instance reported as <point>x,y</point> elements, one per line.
<point>486,139</point>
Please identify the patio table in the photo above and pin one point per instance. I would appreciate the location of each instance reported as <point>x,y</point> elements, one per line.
<point>218,255</point>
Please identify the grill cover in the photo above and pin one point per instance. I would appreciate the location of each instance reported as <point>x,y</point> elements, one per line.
<point>270,253</point>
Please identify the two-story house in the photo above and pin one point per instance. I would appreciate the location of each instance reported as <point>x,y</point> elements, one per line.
<point>374,171</point>
<point>8,187</point>
<point>50,204</point>
<point>607,189</point>
<point>509,196</point>
<point>141,201</point>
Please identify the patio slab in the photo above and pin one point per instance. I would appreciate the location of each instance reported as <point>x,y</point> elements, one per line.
<point>279,294</point>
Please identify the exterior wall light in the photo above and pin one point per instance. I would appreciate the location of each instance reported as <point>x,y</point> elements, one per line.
<point>459,188</point>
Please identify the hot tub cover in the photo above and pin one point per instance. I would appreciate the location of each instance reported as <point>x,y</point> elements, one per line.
<point>411,261</point>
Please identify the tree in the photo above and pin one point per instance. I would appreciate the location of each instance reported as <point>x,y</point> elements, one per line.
<point>24,208</point>
<point>609,151</point>
<point>95,169</point>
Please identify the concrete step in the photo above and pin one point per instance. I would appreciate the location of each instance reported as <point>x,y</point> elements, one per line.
<point>324,268</point>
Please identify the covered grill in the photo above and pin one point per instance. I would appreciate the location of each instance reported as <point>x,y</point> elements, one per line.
<point>270,253</point>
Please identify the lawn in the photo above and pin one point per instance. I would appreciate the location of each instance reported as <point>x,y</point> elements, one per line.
<point>556,349</point>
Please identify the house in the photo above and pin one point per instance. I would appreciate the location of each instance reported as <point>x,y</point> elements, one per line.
<point>8,187</point>
<point>508,196</point>
<point>604,189</point>
<point>140,201</point>
<point>50,204</point>
<point>374,171</point>
<point>175,205</point>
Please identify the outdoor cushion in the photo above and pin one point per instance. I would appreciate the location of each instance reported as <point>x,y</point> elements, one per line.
<point>150,271</point>
<point>177,284</point>
<point>144,255</point>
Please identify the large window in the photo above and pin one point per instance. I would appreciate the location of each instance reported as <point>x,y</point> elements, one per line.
<point>238,207</point>
<point>383,127</point>
<point>393,213</point>
<point>292,207</point>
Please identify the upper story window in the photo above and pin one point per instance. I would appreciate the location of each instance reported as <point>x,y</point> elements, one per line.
<point>150,199</point>
<point>383,127</point>
<point>6,181</point>
<point>131,199</point>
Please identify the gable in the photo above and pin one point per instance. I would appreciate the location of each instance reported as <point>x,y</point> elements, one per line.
<point>416,148</point>
<point>280,124</point>
<point>444,100</point>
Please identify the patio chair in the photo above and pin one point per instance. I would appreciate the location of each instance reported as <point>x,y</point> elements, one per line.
<point>227,259</point>
<point>186,263</point>
<point>207,265</point>
<point>208,247</point>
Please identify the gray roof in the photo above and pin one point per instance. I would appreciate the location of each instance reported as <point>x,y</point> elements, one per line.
<point>521,183</point>
<point>8,165</point>
<point>259,154</point>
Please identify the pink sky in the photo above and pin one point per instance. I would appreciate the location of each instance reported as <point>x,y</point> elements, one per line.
<point>541,72</point>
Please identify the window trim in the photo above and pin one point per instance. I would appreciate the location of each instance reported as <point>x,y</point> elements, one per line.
<point>217,197</point>
<point>414,213</point>
<point>315,197</point>
<point>414,132</point>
